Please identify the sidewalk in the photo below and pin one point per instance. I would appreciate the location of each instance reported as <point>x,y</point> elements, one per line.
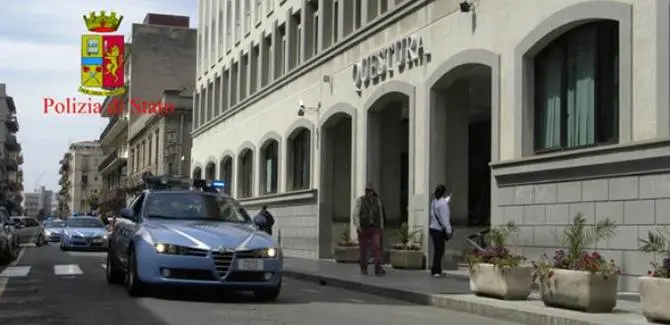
<point>452,292</point>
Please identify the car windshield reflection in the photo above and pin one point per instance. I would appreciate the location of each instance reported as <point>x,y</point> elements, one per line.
<point>85,223</point>
<point>194,206</point>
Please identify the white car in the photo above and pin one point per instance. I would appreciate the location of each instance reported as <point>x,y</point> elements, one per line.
<point>29,230</point>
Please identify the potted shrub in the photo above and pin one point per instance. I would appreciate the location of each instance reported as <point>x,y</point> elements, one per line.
<point>407,253</point>
<point>497,272</point>
<point>577,279</point>
<point>655,287</point>
<point>347,250</point>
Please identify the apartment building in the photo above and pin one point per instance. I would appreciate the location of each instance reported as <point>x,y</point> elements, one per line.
<point>138,141</point>
<point>163,146</point>
<point>40,200</point>
<point>11,159</point>
<point>80,180</point>
<point>529,111</point>
<point>31,204</point>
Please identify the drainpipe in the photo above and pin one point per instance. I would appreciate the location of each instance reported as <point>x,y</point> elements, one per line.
<point>181,143</point>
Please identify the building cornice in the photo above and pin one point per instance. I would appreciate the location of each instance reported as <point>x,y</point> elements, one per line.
<point>375,26</point>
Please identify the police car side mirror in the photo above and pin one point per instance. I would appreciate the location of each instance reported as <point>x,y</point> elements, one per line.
<point>126,213</point>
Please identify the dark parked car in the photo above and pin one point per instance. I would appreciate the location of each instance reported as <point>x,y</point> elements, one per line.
<point>9,240</point>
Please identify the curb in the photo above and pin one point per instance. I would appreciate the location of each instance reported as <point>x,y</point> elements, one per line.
<point>485,307</point>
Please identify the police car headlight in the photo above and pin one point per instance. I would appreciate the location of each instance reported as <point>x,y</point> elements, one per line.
<point>47,233</point>
<point>272,252</point>
<point>162,248</point>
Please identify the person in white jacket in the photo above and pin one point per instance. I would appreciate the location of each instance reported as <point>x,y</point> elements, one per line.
<point>440,229</point>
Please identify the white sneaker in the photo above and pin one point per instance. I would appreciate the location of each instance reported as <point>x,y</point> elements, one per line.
<point>437,275</point>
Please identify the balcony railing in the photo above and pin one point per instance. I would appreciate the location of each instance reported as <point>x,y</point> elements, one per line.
<point>12,123</point>
<point>11,164</point>
<point>110,125</point>
<point>111,158</point>
<point>11,143</point>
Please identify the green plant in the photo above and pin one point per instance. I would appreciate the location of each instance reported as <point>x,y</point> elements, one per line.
<point>577,237</point>
<point>345,239</point>
<point>496,252</point>
<point>408,239</point>
<point>658,241</point>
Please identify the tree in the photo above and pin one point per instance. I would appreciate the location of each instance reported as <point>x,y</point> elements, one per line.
<point>93,201</point>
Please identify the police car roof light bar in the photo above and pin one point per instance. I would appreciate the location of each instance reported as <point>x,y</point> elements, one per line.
<point>211,187</point>
<point>162,183</point>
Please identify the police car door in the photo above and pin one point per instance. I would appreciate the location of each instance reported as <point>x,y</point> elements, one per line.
<point>126,229</point>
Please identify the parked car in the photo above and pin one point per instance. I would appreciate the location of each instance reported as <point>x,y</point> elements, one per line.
<point>85,233</point>
<point>30,231</point>
<point>53,230</point>
<point>192,238</point>
<point>9,240</point>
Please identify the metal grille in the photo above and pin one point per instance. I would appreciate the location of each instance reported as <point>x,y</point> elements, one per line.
<point>258,253</point>
<point>223,262</point>
<point>194,252</point>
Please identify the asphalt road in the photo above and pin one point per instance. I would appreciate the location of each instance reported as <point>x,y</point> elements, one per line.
<point>31,293</point>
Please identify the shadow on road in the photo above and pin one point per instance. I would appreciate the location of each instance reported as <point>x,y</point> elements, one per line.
<point>290,295</point>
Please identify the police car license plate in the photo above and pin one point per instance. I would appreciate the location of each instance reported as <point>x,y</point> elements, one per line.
<point>250,264</point>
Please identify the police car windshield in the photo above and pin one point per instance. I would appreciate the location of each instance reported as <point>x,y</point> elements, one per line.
<point>194,206</point>
<point>85,223</point>
<point>55,224</point>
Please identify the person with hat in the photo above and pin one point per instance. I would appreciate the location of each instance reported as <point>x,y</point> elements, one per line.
<point>368,217</point>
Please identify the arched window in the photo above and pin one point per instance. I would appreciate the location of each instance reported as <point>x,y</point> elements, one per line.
<point>210,171</point>
<point>226,174</point>
<point>245,175</point>
<point>299,159</point>
<point>197,173</point>
<point>577,88</point>
<point>270,166</point>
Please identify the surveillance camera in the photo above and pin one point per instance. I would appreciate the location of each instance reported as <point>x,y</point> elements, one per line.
<point>465,6</point>
<point>301,112</point>
<point>302,105</point>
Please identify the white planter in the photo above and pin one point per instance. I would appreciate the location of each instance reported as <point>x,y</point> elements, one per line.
<point>406,259</point>
<point>346,254</point>
<point>580,290</point>
<point>654,296</point>
<point>509,283</point>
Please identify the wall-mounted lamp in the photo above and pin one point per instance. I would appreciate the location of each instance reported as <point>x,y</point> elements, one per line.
<point>466,6</point>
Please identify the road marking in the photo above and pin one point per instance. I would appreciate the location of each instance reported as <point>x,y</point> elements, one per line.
<point>311,290</point>
<point>15,271</point>
<point>87,254</point>
<point>68,269</point>
<point>3,281</point>
<point>18,258</point>
<point>358,301</point>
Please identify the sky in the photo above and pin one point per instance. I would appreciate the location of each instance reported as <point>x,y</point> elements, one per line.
<point>39,58</point>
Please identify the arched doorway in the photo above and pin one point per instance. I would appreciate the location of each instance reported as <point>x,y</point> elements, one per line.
<point>197,173</point>
<point>335,181</point>
<point>461,152</point>
<point>387,161</point>
<point>210,171</point>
